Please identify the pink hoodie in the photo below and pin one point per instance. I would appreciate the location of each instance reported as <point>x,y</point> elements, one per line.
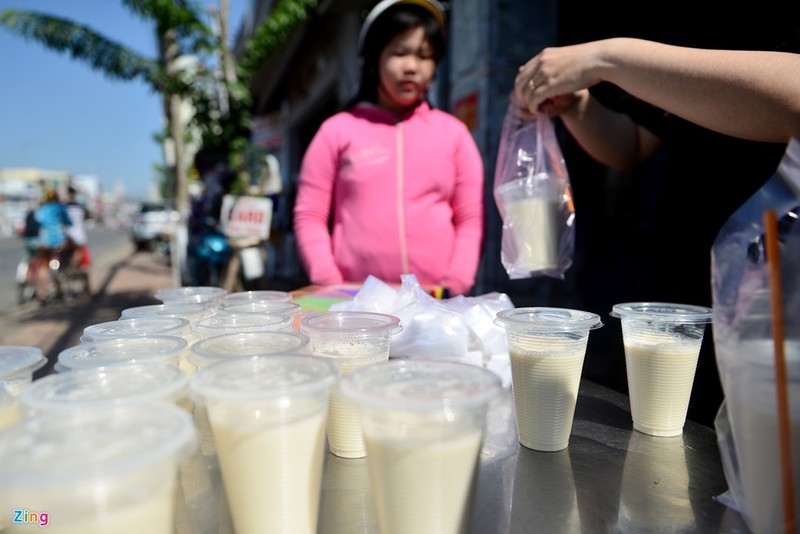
<point>401,196</point>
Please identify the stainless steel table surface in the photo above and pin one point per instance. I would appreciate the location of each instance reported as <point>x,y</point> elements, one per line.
<point>610,479</point>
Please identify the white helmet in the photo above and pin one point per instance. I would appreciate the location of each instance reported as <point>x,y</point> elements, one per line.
<point>433,6</point>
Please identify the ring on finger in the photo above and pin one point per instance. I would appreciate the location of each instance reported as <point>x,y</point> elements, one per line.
<point>531,85</point>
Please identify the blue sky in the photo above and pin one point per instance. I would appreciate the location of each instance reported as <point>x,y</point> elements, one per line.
<point>59,114</point>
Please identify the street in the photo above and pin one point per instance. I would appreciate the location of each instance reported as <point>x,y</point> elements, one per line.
<point>106,246</point>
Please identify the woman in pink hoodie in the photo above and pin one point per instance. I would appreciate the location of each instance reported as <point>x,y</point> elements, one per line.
<point>391,186</point>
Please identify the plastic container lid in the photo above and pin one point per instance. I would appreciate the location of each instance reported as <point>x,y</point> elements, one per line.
<point>263,306</point>
<point>118,383</point>
<point>138,326</point>
<point>228,322</point>
<point>17,359</point>
<point>65,447</point>
<point>421,385</point>
<point>663,312</point>
<point>537,320</point>
<point>245,344</point>
<point>350,324</point>
<point>125,349</point>
<point>241,297</point>
<point>264,377</point>
<point>203,294</point>
<point>192,311</point>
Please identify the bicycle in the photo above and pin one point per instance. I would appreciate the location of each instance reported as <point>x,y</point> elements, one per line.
<point>66,280</point>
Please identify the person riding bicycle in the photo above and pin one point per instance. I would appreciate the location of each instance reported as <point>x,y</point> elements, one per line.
<point>53,220</point>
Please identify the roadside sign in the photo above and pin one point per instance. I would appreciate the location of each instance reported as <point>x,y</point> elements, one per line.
<point>246,216</point>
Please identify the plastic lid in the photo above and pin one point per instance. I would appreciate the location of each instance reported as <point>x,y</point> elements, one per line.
<point>118,383</point>
<point>205,294</point>
<point>543,319</point>
<point>64,447</point>
<point>245,344</point>
<point>662,311</point>
<point>350,324</point>
<point>263,306</point>
<point>15,359</point>
<point>263,377</point>
<point>421,385</point>
<point>241,297</point>
<point>137,326</point>
<point>126,349</point>
<point>192,311</point>
<point>228,322</point>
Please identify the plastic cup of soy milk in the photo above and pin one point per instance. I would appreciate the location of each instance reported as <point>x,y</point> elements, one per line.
<point>546,347</point>
<point>101,469</point>
<point>267,416</point>
<point>423,424</point>
<point>662,342</point>
<point>354,339</point>
<point>17,365</point>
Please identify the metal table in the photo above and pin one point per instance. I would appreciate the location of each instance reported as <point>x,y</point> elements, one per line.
<point>610,479</point>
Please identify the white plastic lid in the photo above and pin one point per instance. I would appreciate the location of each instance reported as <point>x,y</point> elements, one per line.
<point>118,383</point>
<point>263,306</point>
<point>203,294</point>
<point>662,312</point>
<point>16,359</point>
<point>192,311</point>
<point>350,324</point>
<point>264,377</point>
<point>245,344</point>
<point>539,320</point>
<point>60,448</point>
<point>228,322</point>
<point>421,385</point>
<point>240,297</point>
<point>138,326</point>
<point>125,349</point>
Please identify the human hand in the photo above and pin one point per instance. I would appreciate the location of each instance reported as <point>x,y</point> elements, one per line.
<point>550,81</point>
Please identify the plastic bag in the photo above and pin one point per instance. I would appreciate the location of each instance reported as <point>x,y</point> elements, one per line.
<point>747,425</point>
<point>534,197</point>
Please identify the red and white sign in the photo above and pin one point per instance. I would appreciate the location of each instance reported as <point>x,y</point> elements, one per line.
<point>246,216</point>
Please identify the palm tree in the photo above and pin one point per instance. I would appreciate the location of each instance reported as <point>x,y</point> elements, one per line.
<point>181,29</point>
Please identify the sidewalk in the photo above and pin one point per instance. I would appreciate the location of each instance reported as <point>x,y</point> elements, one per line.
<point>131,280</point>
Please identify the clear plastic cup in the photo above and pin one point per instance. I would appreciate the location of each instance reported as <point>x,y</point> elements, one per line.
<point>268,414</point>
<point>126,349</point>
<point>139,326</point>
<point>192,311</point>
<point>354,339</point>
<point>245,344</point>
<point>292,309</point>
<point>246,297</point>
<point>116,384</point>
<point>99,470</point>
<point>17,365</point>
<point>546,347</point>
<point>208,295</point>
<point>662,342</point>
<point>229,323</point>
<point>423,424</point>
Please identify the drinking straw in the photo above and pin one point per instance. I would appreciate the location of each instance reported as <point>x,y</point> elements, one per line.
<point>773,264</point>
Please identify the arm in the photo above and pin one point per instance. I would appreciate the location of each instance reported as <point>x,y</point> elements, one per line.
<point>312,212</point>
<point>468,217</point>
<point>747,94</point>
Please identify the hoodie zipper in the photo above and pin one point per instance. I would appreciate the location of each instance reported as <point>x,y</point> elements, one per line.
<point>400,212</point>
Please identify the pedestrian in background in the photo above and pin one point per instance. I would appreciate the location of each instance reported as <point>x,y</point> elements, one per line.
<point>391,185</point>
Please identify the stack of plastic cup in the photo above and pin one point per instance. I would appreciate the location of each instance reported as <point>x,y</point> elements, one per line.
<point>229,323</point>
<point>268,419</point>
<point>547,347</point>
<point>98,470</point>
<point>124,349</point>
<point>423,424</point>
<point>354,339</point>
<point>17,365</point>
<point>662,342</point>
